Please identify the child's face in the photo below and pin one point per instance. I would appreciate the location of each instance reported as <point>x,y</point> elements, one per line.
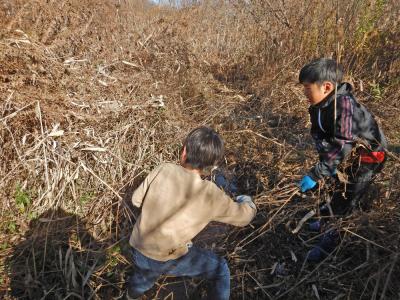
<point>316,92</point>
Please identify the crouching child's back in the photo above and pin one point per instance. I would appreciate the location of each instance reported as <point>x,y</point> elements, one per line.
<point>176,204</point>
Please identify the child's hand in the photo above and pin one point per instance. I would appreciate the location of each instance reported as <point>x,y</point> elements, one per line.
<point>307,183</point>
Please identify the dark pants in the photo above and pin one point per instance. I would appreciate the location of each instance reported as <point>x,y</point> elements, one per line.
<point>196,263</point>
<point>352,194</point>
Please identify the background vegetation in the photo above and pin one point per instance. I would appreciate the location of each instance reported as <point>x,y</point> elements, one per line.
<point>96,93</point>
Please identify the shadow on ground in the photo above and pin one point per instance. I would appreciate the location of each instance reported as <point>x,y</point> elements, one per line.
<point>55,260</point>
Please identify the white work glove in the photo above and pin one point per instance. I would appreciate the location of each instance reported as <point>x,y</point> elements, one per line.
<point>245,199</point>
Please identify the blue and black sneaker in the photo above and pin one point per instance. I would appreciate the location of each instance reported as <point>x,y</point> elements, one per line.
<point>315,225</point>
<point>327,244</point>
<point>129,296</point>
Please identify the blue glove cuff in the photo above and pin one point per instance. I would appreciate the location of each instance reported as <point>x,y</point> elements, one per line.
<point>245,199</point>
<point>307,183</point>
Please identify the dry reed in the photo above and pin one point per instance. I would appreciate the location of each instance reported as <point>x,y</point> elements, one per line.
<point>95,94</point>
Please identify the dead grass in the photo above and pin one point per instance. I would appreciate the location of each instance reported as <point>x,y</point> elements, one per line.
<point>96,94</point>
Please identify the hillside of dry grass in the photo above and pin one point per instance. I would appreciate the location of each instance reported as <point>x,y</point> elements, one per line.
<point>94,94</point>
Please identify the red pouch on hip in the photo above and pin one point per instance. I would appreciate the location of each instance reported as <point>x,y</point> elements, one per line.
<point>372,157</point>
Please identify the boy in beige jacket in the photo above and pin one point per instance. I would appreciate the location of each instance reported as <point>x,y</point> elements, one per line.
<point>176,205</point>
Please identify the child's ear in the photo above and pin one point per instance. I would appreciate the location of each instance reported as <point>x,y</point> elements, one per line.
<point>328,87</point>
<point>183,155</point>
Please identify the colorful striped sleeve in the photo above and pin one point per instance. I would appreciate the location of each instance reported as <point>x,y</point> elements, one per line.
<point>343,129</point>
<point>344,119</point>
<point>341,144</point>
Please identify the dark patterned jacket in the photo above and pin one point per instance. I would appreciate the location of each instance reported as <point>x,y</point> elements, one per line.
<point>335,137</point>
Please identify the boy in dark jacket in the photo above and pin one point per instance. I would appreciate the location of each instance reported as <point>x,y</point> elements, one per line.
<point>341,128</point>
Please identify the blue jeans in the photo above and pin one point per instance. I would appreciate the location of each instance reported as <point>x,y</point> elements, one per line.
<point>197,262</point>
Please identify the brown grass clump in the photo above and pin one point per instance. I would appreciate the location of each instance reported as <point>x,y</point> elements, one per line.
<point>96,93</point>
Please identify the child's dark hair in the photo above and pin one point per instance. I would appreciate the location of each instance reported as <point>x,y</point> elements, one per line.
<point>204,148</point>
<point>320,70</point>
